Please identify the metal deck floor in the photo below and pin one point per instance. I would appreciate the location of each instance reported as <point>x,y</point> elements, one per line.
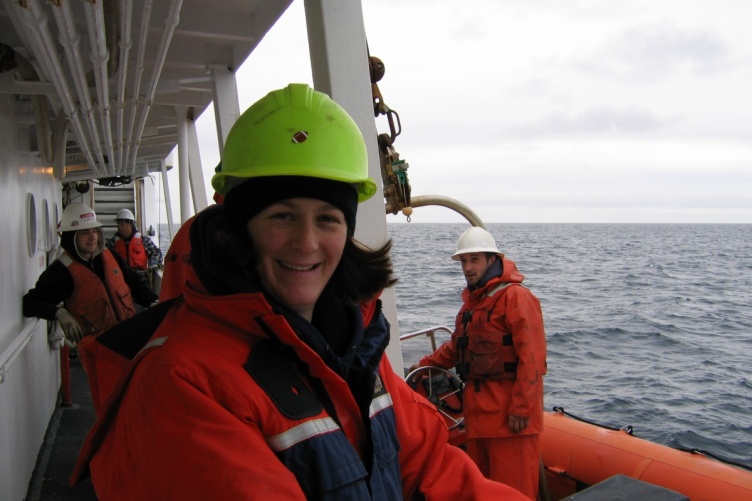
<point>65,434</point>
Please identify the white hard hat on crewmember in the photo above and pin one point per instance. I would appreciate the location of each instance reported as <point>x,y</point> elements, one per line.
<point>476,239</point>
<point>78,217</point>
<point>125,214</point>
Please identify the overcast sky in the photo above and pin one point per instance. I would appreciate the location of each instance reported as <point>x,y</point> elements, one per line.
<point>552,111</point>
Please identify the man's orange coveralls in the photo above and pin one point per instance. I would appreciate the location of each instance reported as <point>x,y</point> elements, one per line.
<point>506,352</point>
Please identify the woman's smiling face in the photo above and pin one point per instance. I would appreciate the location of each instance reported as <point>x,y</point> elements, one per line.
<point>299,243</point>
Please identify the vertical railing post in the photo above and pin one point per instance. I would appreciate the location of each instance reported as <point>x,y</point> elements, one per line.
<point>65,383</point>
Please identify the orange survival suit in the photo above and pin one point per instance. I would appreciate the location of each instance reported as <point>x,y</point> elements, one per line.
<point>203,411</point>
<point>505,349</point>
<point>177,263</point>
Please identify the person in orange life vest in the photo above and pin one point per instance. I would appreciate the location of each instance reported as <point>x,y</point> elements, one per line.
<point>269,371</point>
<point>140,253</point>
<point>177,263</point>
<point>499,347</point>
<point>94,286</point>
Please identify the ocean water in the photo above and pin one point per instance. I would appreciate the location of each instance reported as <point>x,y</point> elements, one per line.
<point>648,325</point>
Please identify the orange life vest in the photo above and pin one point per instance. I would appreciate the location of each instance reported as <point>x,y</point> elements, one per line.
<point>97,305</point>
<point>133,252</point>
<point>495,312</point>
<point>485,349</point>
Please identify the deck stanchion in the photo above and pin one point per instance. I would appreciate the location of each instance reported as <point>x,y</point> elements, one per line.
<point>65,383</point>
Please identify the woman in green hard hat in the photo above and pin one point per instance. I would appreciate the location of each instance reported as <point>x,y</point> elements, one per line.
<point>267,379</point>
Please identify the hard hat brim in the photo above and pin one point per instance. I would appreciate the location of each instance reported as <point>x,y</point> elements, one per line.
<point>471,250</point>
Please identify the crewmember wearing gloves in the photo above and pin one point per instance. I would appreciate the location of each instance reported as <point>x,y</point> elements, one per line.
<point>87,289</point>
<point>499,348</point>
<point>267,379</point>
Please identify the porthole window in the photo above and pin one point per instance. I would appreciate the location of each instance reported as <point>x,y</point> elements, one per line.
<point>31,224</point>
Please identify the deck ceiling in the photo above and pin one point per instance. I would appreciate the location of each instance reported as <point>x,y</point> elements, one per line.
<point>171,49</point>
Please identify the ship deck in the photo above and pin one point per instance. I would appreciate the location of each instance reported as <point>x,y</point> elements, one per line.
<point>65,434</point>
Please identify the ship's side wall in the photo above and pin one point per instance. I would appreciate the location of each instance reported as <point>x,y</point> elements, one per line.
<point>30,370</point>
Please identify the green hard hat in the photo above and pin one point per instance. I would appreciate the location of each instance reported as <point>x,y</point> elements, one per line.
<point>295,131</point>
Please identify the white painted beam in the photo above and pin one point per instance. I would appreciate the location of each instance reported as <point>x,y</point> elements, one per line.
<point>226,105</point>
<point>198,189</point>
<point>339,64</point>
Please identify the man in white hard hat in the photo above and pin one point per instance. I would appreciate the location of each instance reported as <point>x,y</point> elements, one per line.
<point>499,348</point>
<point>95,287</point>
<point>138,252</point>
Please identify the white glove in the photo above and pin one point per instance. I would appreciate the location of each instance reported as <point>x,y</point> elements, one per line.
<point>56,339</point>
<point>71,329</point>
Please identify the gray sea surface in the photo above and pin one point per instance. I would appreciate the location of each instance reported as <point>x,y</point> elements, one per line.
<point>648,325</point>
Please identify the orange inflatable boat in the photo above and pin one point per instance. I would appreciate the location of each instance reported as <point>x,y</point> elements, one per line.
<point>578,454</point>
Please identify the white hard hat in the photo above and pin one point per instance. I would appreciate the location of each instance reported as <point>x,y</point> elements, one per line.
<point>125,214</point>
<point>476,239</point>
<point>78,217</point>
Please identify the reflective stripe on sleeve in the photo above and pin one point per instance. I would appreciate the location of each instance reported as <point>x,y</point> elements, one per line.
<point>380,403</point>
<point>303,431</point>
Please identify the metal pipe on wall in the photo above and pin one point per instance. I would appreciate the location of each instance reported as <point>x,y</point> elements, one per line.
<point>100,56</point>
<point>171,21</point>
<point>125,47</point>
<point>133,102</point>
<point>34,21</point>
<point>71,42</point>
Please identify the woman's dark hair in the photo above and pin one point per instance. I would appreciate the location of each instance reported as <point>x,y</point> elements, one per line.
<point>362,272</point>
<point>236,248</point>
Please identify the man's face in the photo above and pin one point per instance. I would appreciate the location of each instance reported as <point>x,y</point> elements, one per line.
<point>124,228</point>
<point>87,242</point>
<point>474,266</point>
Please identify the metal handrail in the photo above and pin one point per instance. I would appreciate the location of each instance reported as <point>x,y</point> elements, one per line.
<point>428,332</point>
<point>16,347</point>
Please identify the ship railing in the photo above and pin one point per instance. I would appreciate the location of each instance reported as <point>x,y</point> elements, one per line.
<point>9,356</point>
<point>429,332</point>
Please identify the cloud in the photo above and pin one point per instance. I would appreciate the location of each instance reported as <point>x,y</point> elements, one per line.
<point>616,180</point>
<point>549,111</point>
<point>657,52</point>
<point>630,120</point>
